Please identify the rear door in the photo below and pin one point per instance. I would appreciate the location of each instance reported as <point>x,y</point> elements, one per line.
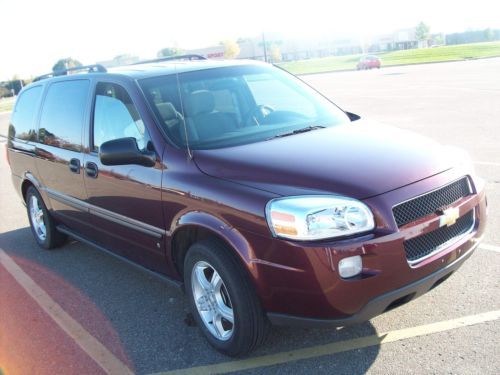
<point>124,200</point>
<point>22,135</point>
<point>59,151</point>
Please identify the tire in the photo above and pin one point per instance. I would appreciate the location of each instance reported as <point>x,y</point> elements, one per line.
<point>233,292</point>
<point>42,224</point>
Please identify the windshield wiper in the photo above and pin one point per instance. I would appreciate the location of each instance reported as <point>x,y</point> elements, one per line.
<point>297,131</point>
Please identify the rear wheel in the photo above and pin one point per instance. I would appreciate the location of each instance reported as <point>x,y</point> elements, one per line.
<point>42,224</point>
<point>223,300</point>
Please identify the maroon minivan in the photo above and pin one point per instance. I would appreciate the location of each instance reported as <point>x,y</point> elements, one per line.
<point>262,199</point>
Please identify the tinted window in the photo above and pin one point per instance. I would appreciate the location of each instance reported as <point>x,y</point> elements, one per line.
<point>115,116</point>
<point>23,118</point>
<point>62,115</point>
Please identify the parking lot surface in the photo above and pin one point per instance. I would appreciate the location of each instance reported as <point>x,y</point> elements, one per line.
<point>77,310</point>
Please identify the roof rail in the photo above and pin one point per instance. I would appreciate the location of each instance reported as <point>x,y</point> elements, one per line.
<point>172,58</point>
<point>89,68</point>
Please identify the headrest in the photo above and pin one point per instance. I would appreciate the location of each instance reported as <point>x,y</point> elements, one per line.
<point>200,101</point>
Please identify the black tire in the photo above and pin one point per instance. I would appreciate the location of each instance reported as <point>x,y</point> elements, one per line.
<point>250,326</point>
<point>53,238</point>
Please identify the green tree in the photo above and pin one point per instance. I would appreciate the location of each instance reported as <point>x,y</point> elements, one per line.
<point>422,32</point>
<point>66,64</point>
<point>438,40</point>
<point>231,49</point>
<point>169,51</point>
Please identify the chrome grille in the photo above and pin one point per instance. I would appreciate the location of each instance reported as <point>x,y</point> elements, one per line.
<point>428,203</point>
<point>422,246</point>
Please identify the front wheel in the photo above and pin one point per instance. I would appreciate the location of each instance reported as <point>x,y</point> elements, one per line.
<point>222,299</point>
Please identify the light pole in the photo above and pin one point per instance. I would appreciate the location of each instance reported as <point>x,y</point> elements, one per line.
<point>264,46</point>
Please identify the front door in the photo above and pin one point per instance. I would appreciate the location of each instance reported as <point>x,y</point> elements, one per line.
<point>125,200</point>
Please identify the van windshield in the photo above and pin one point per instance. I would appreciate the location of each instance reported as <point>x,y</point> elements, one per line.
<point>231,106</point>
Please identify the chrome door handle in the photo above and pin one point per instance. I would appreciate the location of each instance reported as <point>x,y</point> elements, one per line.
<point>74,165</point>
<point>91,169</point>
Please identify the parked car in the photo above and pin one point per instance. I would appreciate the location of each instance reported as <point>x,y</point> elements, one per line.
<point>237,181</point>
<point>369,62</point>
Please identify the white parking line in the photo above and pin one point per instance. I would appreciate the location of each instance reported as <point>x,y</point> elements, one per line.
<point>338,347</point>
<point>95,350</point>
<point>490,247</point>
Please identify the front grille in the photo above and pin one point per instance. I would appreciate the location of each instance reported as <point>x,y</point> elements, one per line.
<point>426,244</point>
<point>429,203</point>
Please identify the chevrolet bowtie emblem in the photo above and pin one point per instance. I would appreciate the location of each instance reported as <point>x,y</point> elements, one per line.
<point>449,216</point>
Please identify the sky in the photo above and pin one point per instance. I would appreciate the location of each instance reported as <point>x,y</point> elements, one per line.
<point>36,33</point>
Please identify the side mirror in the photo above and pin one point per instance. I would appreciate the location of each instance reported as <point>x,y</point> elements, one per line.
<point>125,151</point>
<point>353,116</point>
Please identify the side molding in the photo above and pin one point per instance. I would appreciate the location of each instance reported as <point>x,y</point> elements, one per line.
<point>128,222</point>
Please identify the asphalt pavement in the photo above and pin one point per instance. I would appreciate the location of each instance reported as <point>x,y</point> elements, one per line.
<point>133,319</point>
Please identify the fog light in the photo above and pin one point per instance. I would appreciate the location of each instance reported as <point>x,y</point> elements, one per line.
<point>351,266</point>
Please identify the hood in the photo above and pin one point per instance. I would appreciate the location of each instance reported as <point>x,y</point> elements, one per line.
<point>359,160</point>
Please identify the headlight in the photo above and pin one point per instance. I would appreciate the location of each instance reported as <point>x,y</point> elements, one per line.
<point>317,217</point>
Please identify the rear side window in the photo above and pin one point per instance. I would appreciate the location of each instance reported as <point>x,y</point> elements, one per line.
<point>23,119</point>
<point>61,123</point>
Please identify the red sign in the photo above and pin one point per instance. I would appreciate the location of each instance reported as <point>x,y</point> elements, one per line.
<point>215,54</point>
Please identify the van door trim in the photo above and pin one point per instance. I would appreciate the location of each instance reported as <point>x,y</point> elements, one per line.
<point>106,214</point>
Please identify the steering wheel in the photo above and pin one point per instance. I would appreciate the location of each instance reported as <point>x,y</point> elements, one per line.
<point>256,115</point>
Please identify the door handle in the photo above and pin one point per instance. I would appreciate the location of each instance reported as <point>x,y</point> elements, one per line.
<point>91,169</point>
<point>74,165</point>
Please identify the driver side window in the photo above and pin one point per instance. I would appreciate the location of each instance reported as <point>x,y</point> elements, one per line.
<point>115,116</point>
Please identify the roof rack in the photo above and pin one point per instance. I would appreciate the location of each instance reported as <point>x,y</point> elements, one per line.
<point>172,58</point>
<point>96,68</point>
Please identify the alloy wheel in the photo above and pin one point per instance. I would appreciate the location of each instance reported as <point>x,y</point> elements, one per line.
<point>37,218</point>
<point>212,300</point>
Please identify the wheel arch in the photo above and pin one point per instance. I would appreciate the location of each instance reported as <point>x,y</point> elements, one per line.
<point>29,180</point>
<point>195,226</point>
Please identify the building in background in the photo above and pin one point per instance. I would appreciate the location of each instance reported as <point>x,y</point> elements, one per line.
<point>281,48</point>
<point>398,40</point>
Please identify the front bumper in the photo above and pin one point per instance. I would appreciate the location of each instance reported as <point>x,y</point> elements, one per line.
<point>298,283</point>
<point>380,304</point>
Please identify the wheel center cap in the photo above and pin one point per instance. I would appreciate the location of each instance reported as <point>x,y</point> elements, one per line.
<point>210,298</point>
